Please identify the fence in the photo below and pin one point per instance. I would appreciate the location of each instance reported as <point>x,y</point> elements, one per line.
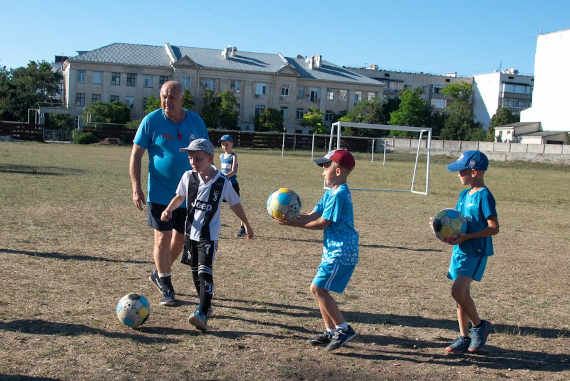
<point>21,130</point>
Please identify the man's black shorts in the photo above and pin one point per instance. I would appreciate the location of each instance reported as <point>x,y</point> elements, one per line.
<point>153,212</point>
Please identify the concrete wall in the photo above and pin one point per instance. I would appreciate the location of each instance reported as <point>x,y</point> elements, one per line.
<point>555,153</point>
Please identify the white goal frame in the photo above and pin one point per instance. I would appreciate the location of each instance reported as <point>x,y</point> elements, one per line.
<point>421,130</point>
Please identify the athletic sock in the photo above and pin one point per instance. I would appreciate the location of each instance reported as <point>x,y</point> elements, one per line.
<point>163,275</point>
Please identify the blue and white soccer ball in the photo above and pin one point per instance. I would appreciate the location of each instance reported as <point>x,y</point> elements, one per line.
<point>283,204</point>
<point>133,310</point>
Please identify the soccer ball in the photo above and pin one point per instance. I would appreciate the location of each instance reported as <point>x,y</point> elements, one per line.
<point>283,204</point>
<point>133,310</point>
<point>447,224</point>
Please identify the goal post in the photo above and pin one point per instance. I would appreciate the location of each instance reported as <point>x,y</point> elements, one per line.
<point>336,132</point>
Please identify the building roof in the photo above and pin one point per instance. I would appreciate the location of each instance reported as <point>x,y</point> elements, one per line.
<point>518,125</point>
<point>150,55</point>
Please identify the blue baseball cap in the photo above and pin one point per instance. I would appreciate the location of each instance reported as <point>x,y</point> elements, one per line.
<point>470,160</point>
<point>226,138</point>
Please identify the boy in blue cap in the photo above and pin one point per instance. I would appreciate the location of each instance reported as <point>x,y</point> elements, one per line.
<point>471,249</point>
<point>229,167</point>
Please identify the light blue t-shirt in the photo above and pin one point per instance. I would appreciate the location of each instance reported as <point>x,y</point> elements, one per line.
<point>163,140</point>
<point>340,242</point>
<point>476,208</point>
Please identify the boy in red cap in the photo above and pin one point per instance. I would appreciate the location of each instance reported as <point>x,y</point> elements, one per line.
<point>334,214</point>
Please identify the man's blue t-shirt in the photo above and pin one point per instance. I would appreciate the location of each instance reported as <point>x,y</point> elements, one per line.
<point>340,243</point>
<point>163,140</point>
<point>476,208</point>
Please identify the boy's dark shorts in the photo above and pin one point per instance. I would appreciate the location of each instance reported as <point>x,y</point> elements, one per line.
<point>153,212</point>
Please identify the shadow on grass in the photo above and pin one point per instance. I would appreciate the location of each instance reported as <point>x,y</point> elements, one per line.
<point>43,327</point>
<point>17,377</point>
<point>320,241</point>
<point>386,319</point>
<point>69,257</point>
<point>490,357</point>
<point>39,170</point>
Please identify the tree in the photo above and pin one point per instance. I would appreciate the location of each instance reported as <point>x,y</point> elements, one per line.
<point>151,103</point>
<point>102,112</point>
<point>314,119</point>
<point>369,111</point>
<point>269,119</point>
<point>412,111</point>
<point>502,116</point>
<point>27,87</point>
<point>188,102</point>
<point>458,123</point>
<point>59,121</point>
<point>219,110</point>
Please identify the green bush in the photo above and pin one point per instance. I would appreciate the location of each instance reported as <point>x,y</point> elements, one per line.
<point>85,138</point>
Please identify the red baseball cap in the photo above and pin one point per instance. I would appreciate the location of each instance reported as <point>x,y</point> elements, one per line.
<point>340,156</point>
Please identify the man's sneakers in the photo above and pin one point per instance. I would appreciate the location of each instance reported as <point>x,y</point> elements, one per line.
<point>241,232</point>
<point>199,320</point>
<point>163,285</point>
<point>475,342</point>
<point>340,337</point>
<point>322,340</point>
<point>459,345</point>
<point>479,335</point>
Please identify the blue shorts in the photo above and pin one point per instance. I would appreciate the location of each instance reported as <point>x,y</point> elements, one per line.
<point>333,277</point>
<point>468,266</point>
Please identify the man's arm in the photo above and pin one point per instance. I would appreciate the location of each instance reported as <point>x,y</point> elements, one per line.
<point>135,175</point>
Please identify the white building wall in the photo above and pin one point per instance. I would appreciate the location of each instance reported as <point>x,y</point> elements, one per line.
<point>486,89</point>
<point>549,98</point>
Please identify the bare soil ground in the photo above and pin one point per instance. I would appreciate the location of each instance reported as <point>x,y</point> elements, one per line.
<point>72,244</point>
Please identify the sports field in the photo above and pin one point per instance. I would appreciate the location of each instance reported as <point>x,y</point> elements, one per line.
<point>72,244</point>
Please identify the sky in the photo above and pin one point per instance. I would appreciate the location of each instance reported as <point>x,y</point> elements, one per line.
<point>436,37</point>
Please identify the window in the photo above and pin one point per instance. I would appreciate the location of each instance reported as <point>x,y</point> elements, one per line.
<point>186,82</point>
<point>438,103</point>
<point>130,101</point>
<point>208,83</point>
<point>116,79</point>
<point>284,112</point>
<point>131,79</point>
<point>436,89</point>
<point>343,94</point>
<point>259,109</point>
<point>97,77</point>
<point>260,89</point>
<point>300,92</point>
<point>299,114</point>
<point>81,76</point>
<point>95,98</point>
<point>516,88</point>
<point>371,96</point>
<point>329,116</point>
<point>162,79</point>
<point>330,95</point>
<point>284,91</point>
<point>80,99</point>
<point>235,86</point>
<point>314,95</point>
<point>114,98</point>
<point>357,97</point>
<point>395,85</point>
<point>148,81</point>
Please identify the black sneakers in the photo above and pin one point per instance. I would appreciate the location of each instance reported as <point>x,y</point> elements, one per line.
<point>241,232</point>
<point>163,285</point>
<point>341,337</point>
<point>322,340</point>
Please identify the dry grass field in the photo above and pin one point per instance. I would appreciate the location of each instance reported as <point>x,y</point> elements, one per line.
<point>72,244</point>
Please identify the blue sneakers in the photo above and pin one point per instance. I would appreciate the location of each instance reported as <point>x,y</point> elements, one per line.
<point>199,320</point>
<point>479,335</point>
<point>168,298</point>
<point>459,345</point>
<point>341,337</point>
<point>153,277</point>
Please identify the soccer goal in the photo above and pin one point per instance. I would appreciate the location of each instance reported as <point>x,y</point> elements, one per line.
<point>423,141</point>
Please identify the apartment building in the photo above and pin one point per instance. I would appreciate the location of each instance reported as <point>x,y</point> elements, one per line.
<point>130,73</point>
<point>507,89</point>
<point>396,81</point>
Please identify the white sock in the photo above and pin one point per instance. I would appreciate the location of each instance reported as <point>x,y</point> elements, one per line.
<point>330,330</point>
<point>163,275</point>
<point>343,326</point>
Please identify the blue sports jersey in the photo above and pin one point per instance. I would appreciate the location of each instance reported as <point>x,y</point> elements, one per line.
<point>226,166</point>
<point>476,208</point>
<point>163,140</point>
<point>340,243</point>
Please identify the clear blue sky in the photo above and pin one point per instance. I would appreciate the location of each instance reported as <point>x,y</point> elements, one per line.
<point>468,37</point>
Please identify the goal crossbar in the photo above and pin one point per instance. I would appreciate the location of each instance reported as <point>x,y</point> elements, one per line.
<point>421,130</point>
